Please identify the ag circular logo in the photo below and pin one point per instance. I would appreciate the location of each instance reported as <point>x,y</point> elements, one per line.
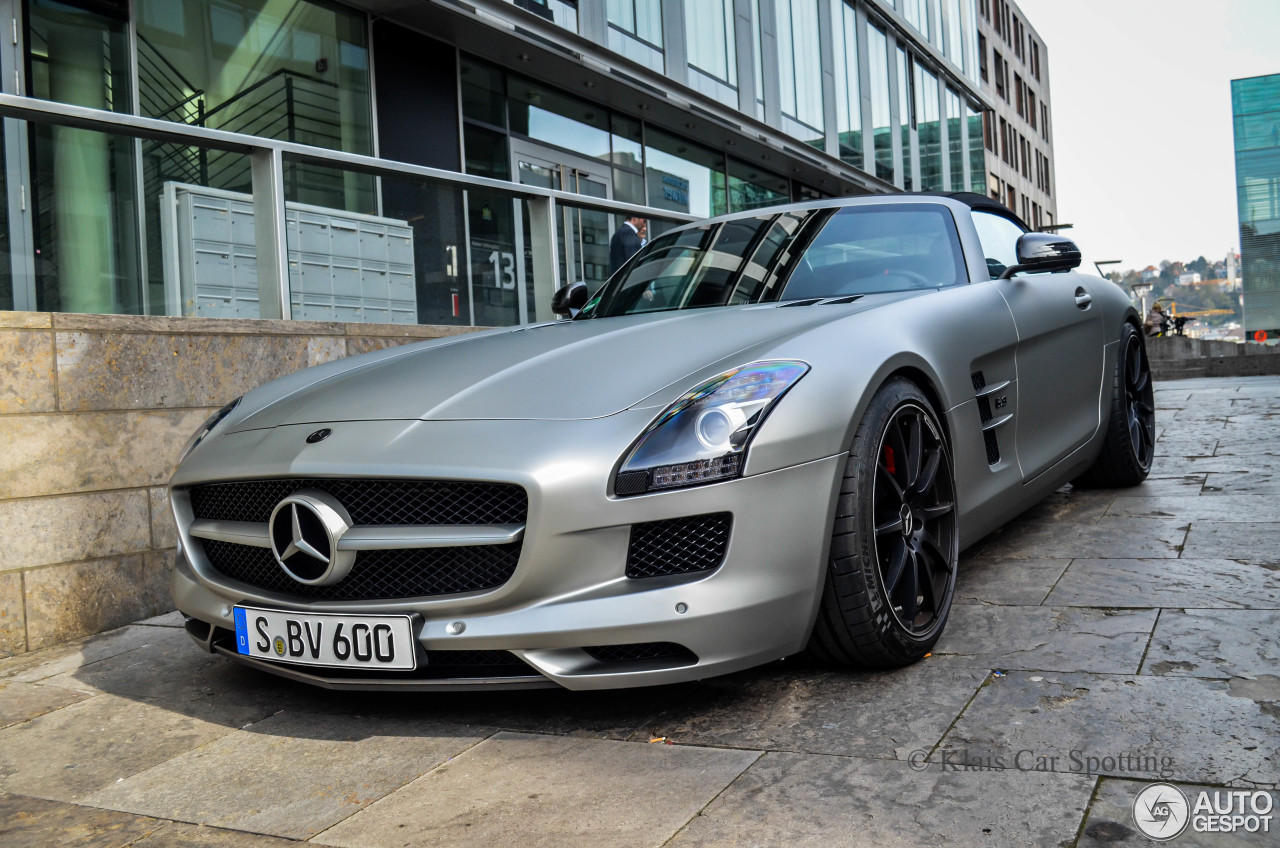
<point>306,529</point>
<point>1161,811</point>
<point>279,646</point>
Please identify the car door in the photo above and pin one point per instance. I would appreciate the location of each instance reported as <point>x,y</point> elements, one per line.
<point>1059,356</point>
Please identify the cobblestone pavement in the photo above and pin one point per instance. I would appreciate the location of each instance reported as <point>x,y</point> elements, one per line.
<point>1105,640</point>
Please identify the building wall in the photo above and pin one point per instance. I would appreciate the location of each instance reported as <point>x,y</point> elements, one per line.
<point>93,412</point>
<point>1256,109</point>
<point>1020,161</point>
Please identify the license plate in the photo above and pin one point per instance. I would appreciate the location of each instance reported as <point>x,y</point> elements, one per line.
<point>326,639</point>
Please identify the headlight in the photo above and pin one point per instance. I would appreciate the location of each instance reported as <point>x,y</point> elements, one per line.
<point>703,436</point>
<point>207,427</point>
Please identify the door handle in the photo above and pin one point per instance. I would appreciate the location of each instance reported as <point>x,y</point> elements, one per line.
<point>1083,298</point>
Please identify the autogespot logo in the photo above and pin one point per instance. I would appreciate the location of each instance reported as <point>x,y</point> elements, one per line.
<point>1161,811</point>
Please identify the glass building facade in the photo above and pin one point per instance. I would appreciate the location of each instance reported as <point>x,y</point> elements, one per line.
<point>688,107</point>
<point>1255,108</point>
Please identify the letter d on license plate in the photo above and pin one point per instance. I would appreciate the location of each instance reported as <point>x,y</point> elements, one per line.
<point>339,641</point>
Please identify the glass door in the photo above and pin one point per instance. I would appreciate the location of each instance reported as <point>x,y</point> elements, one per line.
<point>582,234</point>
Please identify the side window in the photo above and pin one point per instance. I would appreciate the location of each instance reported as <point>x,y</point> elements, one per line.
<point>999,237</point>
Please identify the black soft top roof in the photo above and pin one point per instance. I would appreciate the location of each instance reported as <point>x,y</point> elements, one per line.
<point>978,201</point>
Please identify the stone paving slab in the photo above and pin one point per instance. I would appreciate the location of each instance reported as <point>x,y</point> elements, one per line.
<point>1199,731</point>
<point>882,714</point>
<point>1215,643</point>
<point>35,823</point>
<point>1266,484</point>
<point>1258,543</point>
<point>1011,582</point>
<point>552,791</point>
<point>1047,638</point>
<point>1223,509</point>
<point>21,702</point>
<point>180,835</point>
<point>71,753</point>
<point>1127,538</point>
<point>791,800</point>
<point>1152,583</point>
<point>293,774</point>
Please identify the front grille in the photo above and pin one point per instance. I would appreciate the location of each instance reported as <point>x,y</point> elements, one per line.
<point>370,502</point>
<point>678,545</point>
<point>376,575</point>
<point>643,651</point>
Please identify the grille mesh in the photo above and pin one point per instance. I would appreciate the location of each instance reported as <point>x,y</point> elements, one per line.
<point>678,545</point>
<point>642,651</point>
<point>376,575</point>
<point>370,502</point>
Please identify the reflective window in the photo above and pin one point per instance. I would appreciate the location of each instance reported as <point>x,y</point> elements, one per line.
<point>484,95</point>
<point>955,34</point>
<point>294,70</point>
<point>753,188</point>
<point>683,176</point>
<point>917,14</point>
<point>881,116</point>
<point>999,237</point>
<point>866,249</point>
<point>848,98</point>
<point>928,129</point>
<point>628,161</point>
<point>905,118</point>
<point>977,167</point>
<point>757,40</point>
<point>546,115</point>
<point>955,141</point>
<point>559,12</point>
<point>709,29</point>
<point>635,31</point>
<point>800,69</point>
<point>83,189</point>
<point>741,261</point>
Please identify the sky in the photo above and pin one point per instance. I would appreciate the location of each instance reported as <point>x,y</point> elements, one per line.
<point>1140,93</point>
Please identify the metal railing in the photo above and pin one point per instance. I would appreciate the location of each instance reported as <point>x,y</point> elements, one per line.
<point>266,156</point>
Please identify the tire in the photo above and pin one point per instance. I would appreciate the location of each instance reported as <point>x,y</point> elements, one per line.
<point>894,529</point>
<point>1129,448</point>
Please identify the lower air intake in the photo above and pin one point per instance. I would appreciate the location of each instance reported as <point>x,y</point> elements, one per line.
<point>678,545</point>
<point>641,651</point>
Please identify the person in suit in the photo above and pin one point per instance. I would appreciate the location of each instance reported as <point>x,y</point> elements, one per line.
<point>627,240</point>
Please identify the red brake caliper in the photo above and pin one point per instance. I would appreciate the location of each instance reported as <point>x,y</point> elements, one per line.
<point>888,460</point>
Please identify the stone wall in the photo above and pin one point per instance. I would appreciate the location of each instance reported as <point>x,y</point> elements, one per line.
<point>1181,357</point>
<point>93,412</point>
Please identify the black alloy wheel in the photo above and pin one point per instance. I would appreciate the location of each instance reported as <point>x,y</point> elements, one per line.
<point>1139,401</point>
<point>914,514</point>
<point>1129,443</point>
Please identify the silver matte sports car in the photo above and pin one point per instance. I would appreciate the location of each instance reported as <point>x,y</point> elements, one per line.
<point>768,432</point>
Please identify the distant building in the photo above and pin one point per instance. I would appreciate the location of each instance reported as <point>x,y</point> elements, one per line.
<point>1149,273</point>
<point>1014,68</point>
<point>1190,279</point>
<point>1232,266</point>
<point>1255,105</point>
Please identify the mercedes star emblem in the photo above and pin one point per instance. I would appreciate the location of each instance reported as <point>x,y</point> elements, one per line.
<point>305,530</point>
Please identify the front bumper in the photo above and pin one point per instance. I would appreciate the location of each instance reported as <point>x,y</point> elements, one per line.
<point>569,590</point>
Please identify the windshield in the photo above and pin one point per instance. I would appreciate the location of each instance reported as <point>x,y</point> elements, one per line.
<point>793,255</point>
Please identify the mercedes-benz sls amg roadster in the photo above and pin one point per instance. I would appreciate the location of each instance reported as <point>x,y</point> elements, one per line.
<point>767,433</point>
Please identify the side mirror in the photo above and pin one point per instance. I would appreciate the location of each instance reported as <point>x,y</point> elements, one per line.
<point>1044,252</point>
<point>569,299</point>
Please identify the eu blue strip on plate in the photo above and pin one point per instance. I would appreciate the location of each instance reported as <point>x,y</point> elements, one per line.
<point>242,631</point>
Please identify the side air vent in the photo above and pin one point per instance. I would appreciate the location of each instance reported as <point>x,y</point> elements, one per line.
<point>984,412</point>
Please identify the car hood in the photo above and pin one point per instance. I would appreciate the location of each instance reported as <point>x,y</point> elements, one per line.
<point>563,371</point>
